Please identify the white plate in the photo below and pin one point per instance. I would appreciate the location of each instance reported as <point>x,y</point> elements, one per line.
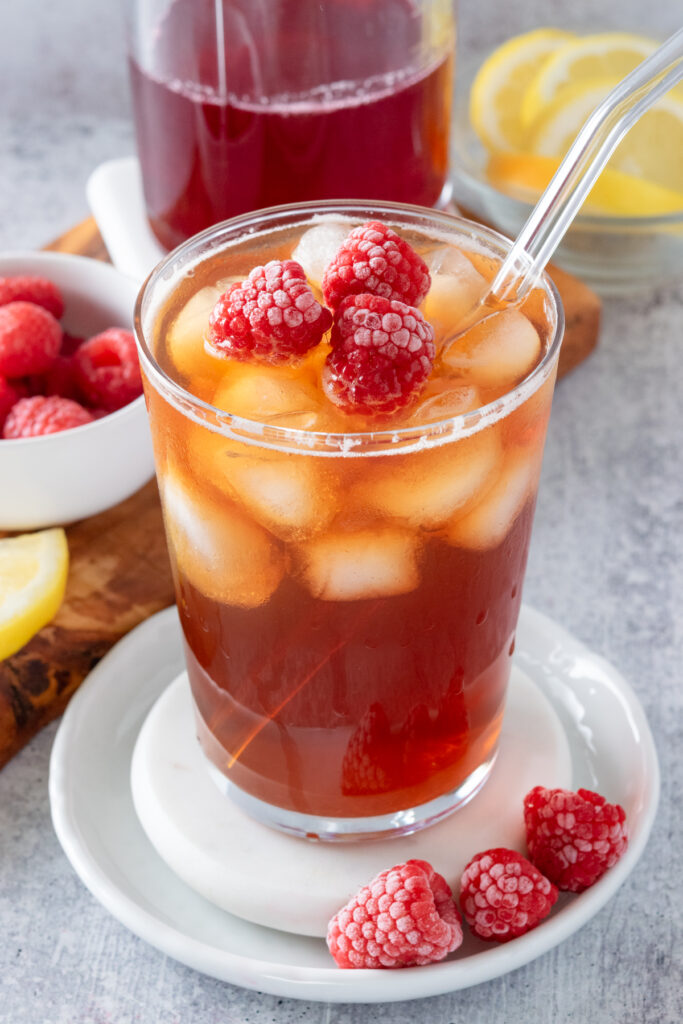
<point>612,752</point>
<point>275,879</point>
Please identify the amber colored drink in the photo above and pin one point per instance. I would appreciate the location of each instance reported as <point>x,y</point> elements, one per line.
<point>349,590</point>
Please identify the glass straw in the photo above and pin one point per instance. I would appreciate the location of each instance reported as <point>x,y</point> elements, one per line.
<point>581,167</point>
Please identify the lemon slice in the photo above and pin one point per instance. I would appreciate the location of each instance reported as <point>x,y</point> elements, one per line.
<point>502,81</point>
<point>652,149</point>
<point>609,55</point>
<point>33,571</point>
<point>524,176</point>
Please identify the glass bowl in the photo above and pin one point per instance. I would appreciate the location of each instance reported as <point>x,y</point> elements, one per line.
<point>613,255</point>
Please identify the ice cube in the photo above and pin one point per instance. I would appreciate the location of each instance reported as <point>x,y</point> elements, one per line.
<point>455,290</point>
<point>292,495</point>
<point>270,394</point>
<point>498,352</point>
<point>365,564</point>
<point>425,489</point>
<point>222,553</point>
<point>443,398</point>
<point>185,338</point>
<point>486,525</point>
<point>317,247</point>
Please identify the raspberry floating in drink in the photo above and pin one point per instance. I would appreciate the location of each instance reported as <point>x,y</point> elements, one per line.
<point>273,316</point>
<point>382,354</point>
<point>375,260</point>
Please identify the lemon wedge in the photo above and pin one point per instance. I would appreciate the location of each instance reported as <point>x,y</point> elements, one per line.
<point>607,55</point>
<point>524,176</point>
<point>501,83</point>
<point>33,571</point>
<point>651,150</point>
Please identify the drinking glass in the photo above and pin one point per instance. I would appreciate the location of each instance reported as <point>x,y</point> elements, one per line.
<point>348,599</point>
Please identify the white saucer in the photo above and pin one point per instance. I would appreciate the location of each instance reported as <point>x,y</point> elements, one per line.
<point>280,881</point>
<point>92,808</point>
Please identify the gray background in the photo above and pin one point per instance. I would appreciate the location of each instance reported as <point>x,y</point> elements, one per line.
<point>606,560</point>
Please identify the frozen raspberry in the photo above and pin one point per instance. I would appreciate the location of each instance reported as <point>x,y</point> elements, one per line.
<point>9,396</point>
<point>375,259</point>
<point>32,417</point>
<point>107,369</point>
<point>503,895</point>
<point>29,339</point>
<point>404,918</point>
<point>38,290</point>
<point>371,762</point>
<point>573,838</point>
<point>273,316</point>
<point>382,353</point>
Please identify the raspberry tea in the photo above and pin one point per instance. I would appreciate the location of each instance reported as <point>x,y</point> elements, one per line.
<point>240,105</point>
<point>348,522</point>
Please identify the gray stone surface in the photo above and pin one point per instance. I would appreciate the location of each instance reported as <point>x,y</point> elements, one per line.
<point>607,561</point>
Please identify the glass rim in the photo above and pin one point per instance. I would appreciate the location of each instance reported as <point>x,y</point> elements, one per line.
<point>379,441</point>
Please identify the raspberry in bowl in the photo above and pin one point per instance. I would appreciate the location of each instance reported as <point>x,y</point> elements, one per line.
<point>67,452</point>
<point>348,487</point>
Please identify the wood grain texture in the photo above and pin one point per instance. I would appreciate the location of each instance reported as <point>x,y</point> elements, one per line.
<point>84,239</point>
<point>582,311</point>
<point>119,575</point>
<point>119,572</point>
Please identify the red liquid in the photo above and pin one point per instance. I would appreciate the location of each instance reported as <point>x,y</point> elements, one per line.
<point>274,131</point>
<point>349,709</point>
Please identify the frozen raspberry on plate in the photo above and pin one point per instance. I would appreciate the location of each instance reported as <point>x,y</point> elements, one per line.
<point>272,316</point>
<point>573,838</point>
<point>405,917</point>
<point>8,397</point>
<point>107,369</point>
<point>375,260</point>
<point>503,895</point>
<point>28,288</point>
<point>382,353</point>
<point>33,417</point>
<point>29,339</point>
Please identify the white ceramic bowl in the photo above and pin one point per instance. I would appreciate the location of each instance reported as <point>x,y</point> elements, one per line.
<point>77,473</point>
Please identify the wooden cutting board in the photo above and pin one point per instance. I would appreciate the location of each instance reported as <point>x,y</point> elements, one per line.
<point>119,572</point>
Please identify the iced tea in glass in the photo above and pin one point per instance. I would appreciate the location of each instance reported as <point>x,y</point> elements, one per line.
<point>348,586</point>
